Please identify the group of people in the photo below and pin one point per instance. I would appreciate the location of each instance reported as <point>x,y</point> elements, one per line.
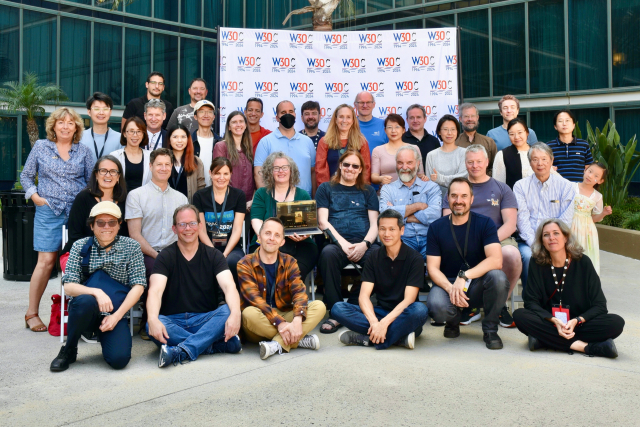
<point>147,224</point>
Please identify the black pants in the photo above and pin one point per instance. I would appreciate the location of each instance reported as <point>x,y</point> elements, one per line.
<point>598,329</point>
<point>84,315</point>
<point>305,253</point>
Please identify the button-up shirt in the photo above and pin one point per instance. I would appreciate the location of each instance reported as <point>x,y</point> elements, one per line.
<point>155,140</point>
<point>59,181</point>
<point>156,208</point>
<point>538,201</point>
<point>397,196</point>
<point>572,158</point>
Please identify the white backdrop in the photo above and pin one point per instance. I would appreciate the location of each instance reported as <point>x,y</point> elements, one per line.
<point>399,67</point>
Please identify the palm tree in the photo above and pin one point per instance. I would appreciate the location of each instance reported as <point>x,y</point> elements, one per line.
<point>28,97</point>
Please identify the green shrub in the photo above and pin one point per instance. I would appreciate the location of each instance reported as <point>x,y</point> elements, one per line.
<point>632,222</point>
<point>626,215</point>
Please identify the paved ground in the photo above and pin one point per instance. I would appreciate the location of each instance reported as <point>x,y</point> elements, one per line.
<point>442,382</point>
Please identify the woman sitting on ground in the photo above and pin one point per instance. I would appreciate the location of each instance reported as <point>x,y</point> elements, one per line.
<point>564,307</point>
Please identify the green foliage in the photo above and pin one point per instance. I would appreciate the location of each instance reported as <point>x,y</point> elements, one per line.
<point>633,222</point>
<point>626,215</point>
<point>29,96</point>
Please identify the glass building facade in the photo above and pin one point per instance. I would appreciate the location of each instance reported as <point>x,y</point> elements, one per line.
<point>582,54</point>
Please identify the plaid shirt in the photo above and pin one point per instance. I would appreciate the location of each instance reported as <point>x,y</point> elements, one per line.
<point>290,292</point>
<point>123,262</point>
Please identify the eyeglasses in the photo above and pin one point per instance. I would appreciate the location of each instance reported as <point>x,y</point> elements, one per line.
<point>102,223</point>
<point>159,84</point>
<point>134,132</point>
<point>350,165</point>
<point>111,172</point>
<point>101,110</point>
<point>183,225</point>
<point>362,104</point>
<point>284,168</point>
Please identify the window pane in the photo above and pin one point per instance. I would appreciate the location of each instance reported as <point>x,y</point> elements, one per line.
<point>304,19</point>
<point>626,51</point>
<point>485,124</point>
<point>409,25</point>
<point>596,117</point>
<point>166,10</point>
<point>107,66</point>
<point>546,46</point>
<point>509,61</point>
<point>474,48</point>
<point>209,69</point>
<point>142,8</point>
<point>279,11</point>
<point>213,13</point>
<point>8,148</point>
<point>191,12</point>
<point>165,60</point>
<point>627,124</point>
<point>440,21</point>
<point>189,65</point>
<point>587,44</point>
<point>258,16</point>
<point>9,44</point>
<point>137,52</point>
<point>39,45</point>
<point>234,13</point>
<point>401,3</point>
<point>75,58</point>
<point>377,5</point>
<point>542,124</point>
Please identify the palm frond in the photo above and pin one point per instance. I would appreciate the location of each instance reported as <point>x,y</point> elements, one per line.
<point>29,96</point>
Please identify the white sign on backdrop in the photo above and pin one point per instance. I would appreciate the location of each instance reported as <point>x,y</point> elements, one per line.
<point>399,68</point>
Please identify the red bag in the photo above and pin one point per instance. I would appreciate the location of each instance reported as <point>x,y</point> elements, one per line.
<point>55,321</point>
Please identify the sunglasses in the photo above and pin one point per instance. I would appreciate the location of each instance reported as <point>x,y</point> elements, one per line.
<point>350,165</point>
<point>102,223</point>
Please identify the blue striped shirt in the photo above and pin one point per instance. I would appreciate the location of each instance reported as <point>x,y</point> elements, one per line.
<point>571,158</point>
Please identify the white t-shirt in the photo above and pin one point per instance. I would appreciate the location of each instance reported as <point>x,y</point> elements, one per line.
<point>206,155</point>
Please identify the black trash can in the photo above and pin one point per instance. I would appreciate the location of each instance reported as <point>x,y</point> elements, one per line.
<point>18,255</point>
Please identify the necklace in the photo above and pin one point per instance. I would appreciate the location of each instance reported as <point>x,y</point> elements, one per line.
<point>564,274</point>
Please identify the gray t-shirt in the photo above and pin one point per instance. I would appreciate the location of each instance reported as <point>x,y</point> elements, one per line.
<point>183,115</point>
<point>489,198</point>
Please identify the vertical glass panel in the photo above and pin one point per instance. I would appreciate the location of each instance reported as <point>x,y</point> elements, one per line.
<point>8,149</point>
<point>440,21</point>
<point>9,44</point>
<point>213,13</point>
<point>142,8</point>
<point>474,50</point>
<point>596,117</point>
<point>234,13</point>
<point>137,63</point>
<point>542,124</point>
<point>509,61</point>
<point>625,16</point>
<point>189,66</point>
<point>278,11</point>
<point>257,16</point>
<point>166,9</point>
<point>107,61</point>
<point>75,58</point>
<point>39,45</point>
<point>209,70</point>
<point>165,60</point>
<point>485,124</point>
<point>409,25</point>
<point>401,3</point>
<point>588,44</point>
<point>378,5</point>
<point>546,46</point>
<point>191,12</point>
<point>627,124</point>
<point>296,20</point>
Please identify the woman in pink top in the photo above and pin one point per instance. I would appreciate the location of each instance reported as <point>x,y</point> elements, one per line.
<point>237,147</point>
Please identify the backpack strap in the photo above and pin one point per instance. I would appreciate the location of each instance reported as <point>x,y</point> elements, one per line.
<point>85,254</point>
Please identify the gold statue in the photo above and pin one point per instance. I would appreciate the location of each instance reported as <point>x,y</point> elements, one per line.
<point>322,11</point>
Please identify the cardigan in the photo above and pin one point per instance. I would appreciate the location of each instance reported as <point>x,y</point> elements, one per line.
<point>146,155</point>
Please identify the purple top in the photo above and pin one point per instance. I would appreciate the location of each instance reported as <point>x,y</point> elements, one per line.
<point>59,181</point>
<point>242,175</point>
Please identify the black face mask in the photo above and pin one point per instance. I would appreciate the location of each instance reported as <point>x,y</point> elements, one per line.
<point>287,121</point>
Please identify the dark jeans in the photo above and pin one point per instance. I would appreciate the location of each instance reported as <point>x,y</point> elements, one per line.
<point>332,261</point>
<point>410,320</point>
<point>598,329</point>
<point>489,292</point>
<point>84,316</point>
<point>305,253</point>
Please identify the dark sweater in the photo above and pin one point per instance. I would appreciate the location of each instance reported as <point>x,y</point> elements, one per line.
<point>77,224</point>
<point>581,291</point>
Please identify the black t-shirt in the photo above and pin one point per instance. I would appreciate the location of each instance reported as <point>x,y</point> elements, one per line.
<point>236,203</point>
<point>440,243</point>
<point>133,173</point>
<point>192,286</point>
<point>135,107</point>
<point>391,277</point>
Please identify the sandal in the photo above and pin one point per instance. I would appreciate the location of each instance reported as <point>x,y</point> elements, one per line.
<point>333,327</point>
<point>40,327</point>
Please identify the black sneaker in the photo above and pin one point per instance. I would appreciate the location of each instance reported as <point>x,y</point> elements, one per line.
<point>506,321</point>
<point>470,315</point>
<point>65,357</point>
<point>492,340</point>
<point>353,338</point>
<point>451,330</point>
<point>534,344</point>
<point>603,349</point>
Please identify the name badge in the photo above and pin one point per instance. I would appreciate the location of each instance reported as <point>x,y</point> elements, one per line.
<point>561,313</point>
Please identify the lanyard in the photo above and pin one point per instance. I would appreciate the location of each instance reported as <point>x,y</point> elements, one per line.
<point>176,180</point>
<point>466,240</point>
<point>95,146</point>
<point>159,134</point>
<point>275,204</point>
<point>217,217</point>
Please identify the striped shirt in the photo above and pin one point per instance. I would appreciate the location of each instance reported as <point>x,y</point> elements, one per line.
<point>538,201</point>
<point>571,158</point>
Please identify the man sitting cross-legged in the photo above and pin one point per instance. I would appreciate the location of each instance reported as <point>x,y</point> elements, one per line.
<point>277,314</point>
<point>395,272</point>
<point>184,316</point>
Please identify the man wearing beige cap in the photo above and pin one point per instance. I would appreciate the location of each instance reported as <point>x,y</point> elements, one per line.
<point>203,136</point>
<point>105,275</point>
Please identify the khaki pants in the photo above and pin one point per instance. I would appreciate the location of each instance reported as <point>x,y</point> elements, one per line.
<point>257,327</point>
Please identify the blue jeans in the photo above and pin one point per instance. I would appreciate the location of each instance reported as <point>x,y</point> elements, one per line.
<point>196,332</point>
<point>410,320</point>
<point>419,243</point>
<point>525,253</point>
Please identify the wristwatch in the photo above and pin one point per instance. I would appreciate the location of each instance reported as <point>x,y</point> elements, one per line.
<point>463,274</point>
<point>368,243</point>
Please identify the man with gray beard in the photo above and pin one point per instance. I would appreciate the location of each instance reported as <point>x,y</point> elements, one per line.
<point>470,120</point>
<point>418,201</point>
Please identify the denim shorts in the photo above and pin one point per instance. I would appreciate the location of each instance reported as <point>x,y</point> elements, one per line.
<point>47,229</point>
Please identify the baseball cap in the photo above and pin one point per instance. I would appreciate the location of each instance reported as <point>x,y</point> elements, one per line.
<point>108,208</point>
<point>204,102</point>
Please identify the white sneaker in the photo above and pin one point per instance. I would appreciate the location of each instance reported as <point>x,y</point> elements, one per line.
<point>269,348</point>
<point>312,342</point>
<point>409,341</point>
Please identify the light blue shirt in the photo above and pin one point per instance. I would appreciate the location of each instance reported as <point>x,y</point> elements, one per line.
<point>373,132</point>
<point>300,148</point>
<point>501,137</point>
<point>538,201</point>
<point>397,196</point>
<point>111,144</point>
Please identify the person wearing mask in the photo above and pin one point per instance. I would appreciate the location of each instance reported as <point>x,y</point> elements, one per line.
<point>154,114</point>
<point>343,134</point>
<point>99,139</point>
<point>371,127</point>
<point>470,120</point>
<point>203,137</point>
<point>133,158</point>
<point>184,114</point>
<point>254,111</point>
<point>447,162</point>
<point>417,134</point>
<point>155,86</point>
<point>571,156</point>
<point>187,175</point>
<point>299,147</point>
<point>509,107</point>
<point>310,111</point>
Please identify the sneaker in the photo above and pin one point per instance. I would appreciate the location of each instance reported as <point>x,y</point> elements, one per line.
<point>492,340</point>
<point>506,321</point>
<point>353,338</point>
<point>311,342</point>
<point>451,330</point>
<point>65,357</point>
<point>269,348</point>
<point>603,349</point>
<point>408,342</point>
<point>534,344</point>
<point>170,354</point>
<point>143,334</point>
<point>233,346</point>
<point>469,315</point>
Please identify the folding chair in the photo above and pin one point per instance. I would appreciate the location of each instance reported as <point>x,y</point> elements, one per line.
<point>515,298</point>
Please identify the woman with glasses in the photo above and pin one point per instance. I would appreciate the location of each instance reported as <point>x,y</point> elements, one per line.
<point>222,211</point>
<point>342,134</point>
<point>281,175</point>
<point>447,162</point>
<point>134,160</point>
<point>187,175</point>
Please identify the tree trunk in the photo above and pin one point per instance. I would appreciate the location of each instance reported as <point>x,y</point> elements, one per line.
<point>32,131</point>
<point>323,27</point>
